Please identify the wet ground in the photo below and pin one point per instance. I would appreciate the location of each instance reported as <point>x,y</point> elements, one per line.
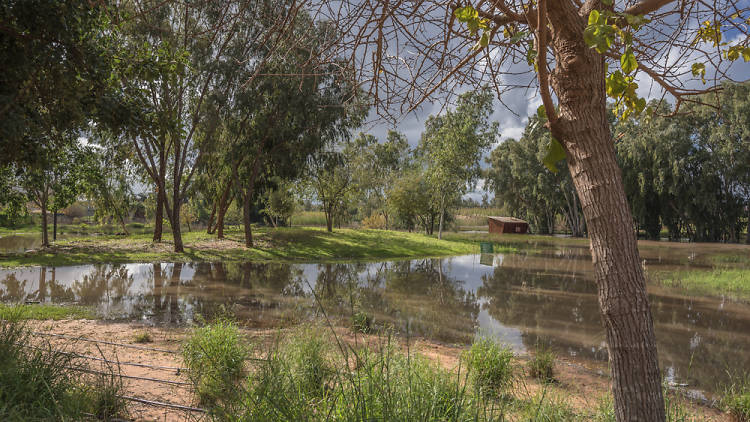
<point>541,296</point>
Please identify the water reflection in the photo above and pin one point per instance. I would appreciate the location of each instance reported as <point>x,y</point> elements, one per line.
<point>525,299</point>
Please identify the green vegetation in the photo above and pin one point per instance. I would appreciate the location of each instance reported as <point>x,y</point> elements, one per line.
<point>282,244</point>
<point>142,337</point>
<point>309,218</point>
<point>720,281</point>
<point>46,311</point>
<point>542,365</point>
<point>215,355</point>
<point>362,322</point>
<point>736,398</point>
<point>40,383</point>
<point>491,366</point>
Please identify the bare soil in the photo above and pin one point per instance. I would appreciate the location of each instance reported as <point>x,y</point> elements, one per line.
<point>584,385</point>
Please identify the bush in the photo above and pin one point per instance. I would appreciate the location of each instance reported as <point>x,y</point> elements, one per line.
<point>375,221</point>
<point>215,356</point>
<point>542,365</point>
<point>38,384</point>
<point>142,337</point>
<point>491,366</point>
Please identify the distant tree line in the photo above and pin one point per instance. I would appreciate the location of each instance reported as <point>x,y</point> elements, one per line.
<point>688,174</point>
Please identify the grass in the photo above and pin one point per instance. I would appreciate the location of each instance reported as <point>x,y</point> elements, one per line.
<point>38,383</point>
<point>309,218</point>
<point>215,356</point>
<point>542,365</point>
<point>46,312</point>
<point>736,398</point>
<point>362,322</point>
<point>281,245</point>
<point>142,337</point>
<point>491,366</point>
<point>719,281</point>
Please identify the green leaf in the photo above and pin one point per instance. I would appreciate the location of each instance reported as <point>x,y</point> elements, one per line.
<point>555,153</point>
<point>699,69</point>
<point>484,41</point>
<point>465,14</point>
<point>594,17</point>
<point>628,62</point>
<point>541,113</point>
<point>607,2</point>
<point>746,54</point>
<point>519,36</point>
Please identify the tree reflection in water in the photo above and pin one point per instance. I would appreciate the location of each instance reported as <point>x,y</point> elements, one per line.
<point>542,297</point>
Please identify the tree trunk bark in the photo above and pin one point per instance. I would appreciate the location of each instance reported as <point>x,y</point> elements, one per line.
<point>54,225</point>
<point>223,207</point>
<point>45,235</point>
<point>329,219</point>
<point>159,216</point>
<point>246,203</point>
<point>583,128</point>
<point>175,222</point>
<point>211,219</point>
<point>440,226</point>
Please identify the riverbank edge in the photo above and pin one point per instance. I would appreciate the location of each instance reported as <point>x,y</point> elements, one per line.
<point>283,245</point>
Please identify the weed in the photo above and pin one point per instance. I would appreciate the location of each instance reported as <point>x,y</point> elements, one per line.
<point>215,355</point>
<point>491,366</point>
<point>142,337</point>
<point>362,322</point>
<point>542,365</point>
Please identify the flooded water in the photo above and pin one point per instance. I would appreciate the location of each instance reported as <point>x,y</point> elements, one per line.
<point>545,297</point>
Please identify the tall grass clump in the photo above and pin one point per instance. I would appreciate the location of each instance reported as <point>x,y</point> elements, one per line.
<point>491,366</point>
<point>736,398</point>
<point>547,407</point>
<point>215,355</point>
<point>38,382</point>
<point>312,375</point>
<point>542,365</point>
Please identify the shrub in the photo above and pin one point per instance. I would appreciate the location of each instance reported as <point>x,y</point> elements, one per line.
<point>142,337</point>
<point>375,221</point>
<point>491,366</point>
<point>542,365</point>
<point>216,357</point>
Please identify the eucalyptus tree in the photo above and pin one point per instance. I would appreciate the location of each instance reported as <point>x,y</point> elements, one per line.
<point>376,167</point>
<point>56,66</point>
<point>577,53</point>
<point>187,46</point>
<point>413,201</point>
<point>453,144</point>
<point>522,185</point>
<point>54,179</point>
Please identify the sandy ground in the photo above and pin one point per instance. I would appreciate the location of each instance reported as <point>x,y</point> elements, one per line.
<point>582,384</point>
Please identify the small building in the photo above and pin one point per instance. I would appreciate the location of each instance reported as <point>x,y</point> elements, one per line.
<point>507,225</point>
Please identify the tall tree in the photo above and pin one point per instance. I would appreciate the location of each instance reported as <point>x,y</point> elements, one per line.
<point>453,144</point>
<point>566,45</point>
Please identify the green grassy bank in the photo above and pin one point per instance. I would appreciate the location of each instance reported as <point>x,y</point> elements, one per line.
<point>281,245</point>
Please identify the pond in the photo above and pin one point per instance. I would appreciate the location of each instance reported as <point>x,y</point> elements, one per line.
<point>542,297</point>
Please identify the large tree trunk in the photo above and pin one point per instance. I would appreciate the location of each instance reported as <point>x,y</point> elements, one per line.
<point>583,129</point>
<point>159,216</point>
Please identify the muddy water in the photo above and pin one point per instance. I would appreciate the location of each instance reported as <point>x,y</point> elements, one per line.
<point>542,297</point>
